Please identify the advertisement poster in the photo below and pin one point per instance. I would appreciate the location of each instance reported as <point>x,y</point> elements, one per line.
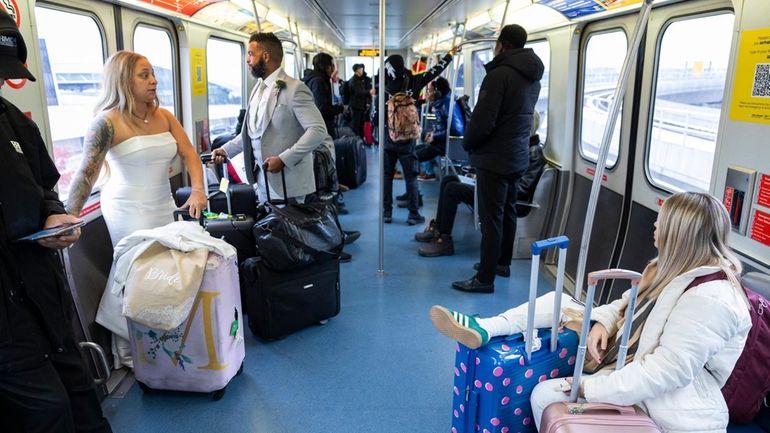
<point>751,92</point>
<point>580,8</point>
<point>198,65</point>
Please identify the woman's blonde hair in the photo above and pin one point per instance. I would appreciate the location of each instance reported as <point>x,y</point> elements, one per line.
<point>693,231</point>
<point>116,86</point>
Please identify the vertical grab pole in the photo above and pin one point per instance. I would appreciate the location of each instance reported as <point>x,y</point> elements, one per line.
<point>636,39</point>
<point>381,138</point>
<point>505,14</point>
<point>256,16</point>
<point>299,50</point>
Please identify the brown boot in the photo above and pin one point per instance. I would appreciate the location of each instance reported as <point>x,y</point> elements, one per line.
<point>440,246</point>
<point>430,233</point>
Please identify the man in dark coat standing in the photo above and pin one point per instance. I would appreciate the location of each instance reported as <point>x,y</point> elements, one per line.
<point>497,141</point>
<point>359,86</point>
<point>44,383</point>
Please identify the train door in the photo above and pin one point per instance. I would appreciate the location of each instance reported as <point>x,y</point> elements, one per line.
<point>602,50</point>
<point>679,106</point>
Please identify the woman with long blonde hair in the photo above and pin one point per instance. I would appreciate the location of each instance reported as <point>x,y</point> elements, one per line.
<point>137,140</point>
<point>687,334</point>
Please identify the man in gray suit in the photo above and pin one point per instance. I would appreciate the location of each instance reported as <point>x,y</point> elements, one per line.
<point>282,125</point>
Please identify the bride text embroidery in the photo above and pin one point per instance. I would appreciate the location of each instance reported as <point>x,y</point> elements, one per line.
<point>155,274</point>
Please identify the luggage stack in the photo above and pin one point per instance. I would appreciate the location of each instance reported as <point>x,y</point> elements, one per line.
<point>493,383</point>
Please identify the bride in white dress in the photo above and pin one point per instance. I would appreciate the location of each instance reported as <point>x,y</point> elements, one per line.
<point>137,139</point>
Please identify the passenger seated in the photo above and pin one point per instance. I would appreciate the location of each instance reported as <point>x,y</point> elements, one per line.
<point>452,192</point>
<point>679,359</point>
<point>439,96</point>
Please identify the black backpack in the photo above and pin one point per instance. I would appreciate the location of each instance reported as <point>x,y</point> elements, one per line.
<point>325,170</point>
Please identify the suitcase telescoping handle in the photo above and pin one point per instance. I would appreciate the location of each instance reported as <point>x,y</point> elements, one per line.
<point>593,280</point>
<point>561,242</point>
<point>205,159</point>
<point>267,185</point>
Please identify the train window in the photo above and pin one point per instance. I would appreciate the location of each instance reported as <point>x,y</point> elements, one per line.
<point>689,89</point>
<point>73,74</point>
<point>290,64</point>
<point>543,50</point>
<point>604,55</point>
<point>155,44</point>
<point>224,70</point>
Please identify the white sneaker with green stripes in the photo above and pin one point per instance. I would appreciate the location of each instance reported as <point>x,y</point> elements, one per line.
<point>459,327</point>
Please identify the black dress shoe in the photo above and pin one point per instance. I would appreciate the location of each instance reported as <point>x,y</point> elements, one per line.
<point>474,286</point>
<point>351,236</point>
<point>500,270</point>
<point>345,257</point>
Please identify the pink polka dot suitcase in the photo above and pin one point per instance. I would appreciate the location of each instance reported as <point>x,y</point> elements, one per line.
<point>493,383</point>
<point>206,350</point>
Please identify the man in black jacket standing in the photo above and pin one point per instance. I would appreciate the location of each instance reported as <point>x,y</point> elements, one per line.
<point>359,86</point>
<point>44,384</point>
<point>497,141</point>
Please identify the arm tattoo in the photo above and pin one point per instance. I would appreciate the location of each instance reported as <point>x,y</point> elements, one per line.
<point>95,145</point>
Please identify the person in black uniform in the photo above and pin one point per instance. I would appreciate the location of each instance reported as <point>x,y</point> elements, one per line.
<point>44,383</point>
<point>359,86</point>
<point>497,141</point>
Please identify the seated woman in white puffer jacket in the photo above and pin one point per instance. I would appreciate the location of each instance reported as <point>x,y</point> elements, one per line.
<point>685,340</point>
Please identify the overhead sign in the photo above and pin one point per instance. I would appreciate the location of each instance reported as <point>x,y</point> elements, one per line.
<point>369,52</point>
<point>751,91</point>
<point>581,8</point>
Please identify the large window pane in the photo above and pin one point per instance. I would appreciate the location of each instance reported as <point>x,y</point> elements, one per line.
<point>604,56</point>
<point>290,64</point>
<point>479,59</point>
<point>73,75</point>
<point>543,50</point>
<point>688,100</point>
<point>224,68</point>
<point>155,44</point>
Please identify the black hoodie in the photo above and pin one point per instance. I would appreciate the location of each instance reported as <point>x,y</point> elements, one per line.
<point>497,138</point>
<point>321,86</point>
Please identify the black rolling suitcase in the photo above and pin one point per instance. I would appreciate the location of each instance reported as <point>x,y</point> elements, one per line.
<point>243,199</point>
<point>281,302</point>
<point>350,155</point>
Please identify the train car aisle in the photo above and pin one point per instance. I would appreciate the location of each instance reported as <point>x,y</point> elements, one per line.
<point>379,366</point>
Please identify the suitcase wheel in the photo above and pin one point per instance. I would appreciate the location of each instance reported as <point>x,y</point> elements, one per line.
<point>146,389</point>
<point>323,322</point>
<point>218,394</point>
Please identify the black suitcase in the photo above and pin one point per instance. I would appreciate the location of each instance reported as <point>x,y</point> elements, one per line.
<point>242,196</point>
<point>350,155</point>
<point>279,303</point>
<point>236,232</point>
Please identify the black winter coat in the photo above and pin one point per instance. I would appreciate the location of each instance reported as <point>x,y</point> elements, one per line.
<point>359,92</point>
<point>27,198</point>
<point>321,87</point>
<point>497,138</point>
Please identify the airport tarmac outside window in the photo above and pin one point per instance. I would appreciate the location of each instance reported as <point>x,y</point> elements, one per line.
<point>72,79</point>
<point>225,69</point>
<point>155,44</point>
<point>604,55</point>
<point>689,90</point>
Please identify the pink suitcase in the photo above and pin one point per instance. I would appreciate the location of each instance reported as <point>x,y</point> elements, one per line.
<point>573,417</point>
<point>207,349</point>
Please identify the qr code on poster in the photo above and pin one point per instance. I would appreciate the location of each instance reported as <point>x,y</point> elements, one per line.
<point>761,87</point>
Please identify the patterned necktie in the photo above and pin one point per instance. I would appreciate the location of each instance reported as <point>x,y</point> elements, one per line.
<point>257,101</point>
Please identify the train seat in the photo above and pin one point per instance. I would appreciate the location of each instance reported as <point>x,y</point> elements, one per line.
<point>531,227</point>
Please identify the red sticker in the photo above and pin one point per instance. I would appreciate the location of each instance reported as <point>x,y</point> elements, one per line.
<point>728,200</point>
<point>90,208</point>
<point>760,228</point>
<point>591,172</point>
<point>763,196</point>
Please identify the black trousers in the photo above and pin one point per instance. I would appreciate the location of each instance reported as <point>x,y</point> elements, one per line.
<point>358,116</point>
<point>426,152</point>
<point>452,192</point>
<point>405,154</point>
<point>497,214</point>
<point>41,390</point>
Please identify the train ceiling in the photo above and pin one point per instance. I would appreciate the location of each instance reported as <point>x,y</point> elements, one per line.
<point>332,25</point>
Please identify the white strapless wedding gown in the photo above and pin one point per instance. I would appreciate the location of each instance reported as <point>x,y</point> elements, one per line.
<point>136,196</point>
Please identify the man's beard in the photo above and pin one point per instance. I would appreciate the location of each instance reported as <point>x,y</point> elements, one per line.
<point>258,70</point>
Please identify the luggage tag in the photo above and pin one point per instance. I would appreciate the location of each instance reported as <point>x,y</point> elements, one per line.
<point>234,326</point>
<point>223,184</point>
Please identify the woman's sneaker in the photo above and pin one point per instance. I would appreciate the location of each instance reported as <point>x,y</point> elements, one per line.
<point>459,327</point>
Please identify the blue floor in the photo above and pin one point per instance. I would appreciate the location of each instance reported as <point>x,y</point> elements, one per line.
<point>377,367</point>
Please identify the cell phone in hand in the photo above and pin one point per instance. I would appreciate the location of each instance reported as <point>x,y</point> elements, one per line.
<point>53,231</point>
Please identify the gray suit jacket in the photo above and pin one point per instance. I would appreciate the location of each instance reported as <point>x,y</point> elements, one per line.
<point>293,129</point>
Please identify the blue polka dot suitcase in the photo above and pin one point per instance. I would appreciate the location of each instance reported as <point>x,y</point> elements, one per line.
<point>493,383</point>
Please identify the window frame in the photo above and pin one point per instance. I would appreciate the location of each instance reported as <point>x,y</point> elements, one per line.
<point>548,101</point>
<point>581,93</point>
<point>654,87</point>
<point>175,61</point>
<point>244,74</point>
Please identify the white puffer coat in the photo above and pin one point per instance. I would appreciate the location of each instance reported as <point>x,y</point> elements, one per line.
<point>687,350</point>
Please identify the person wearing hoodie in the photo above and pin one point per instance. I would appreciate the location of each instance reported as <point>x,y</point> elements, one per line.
<point>319,81</point>
<point>400,79</point>
<point>497,142</point>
